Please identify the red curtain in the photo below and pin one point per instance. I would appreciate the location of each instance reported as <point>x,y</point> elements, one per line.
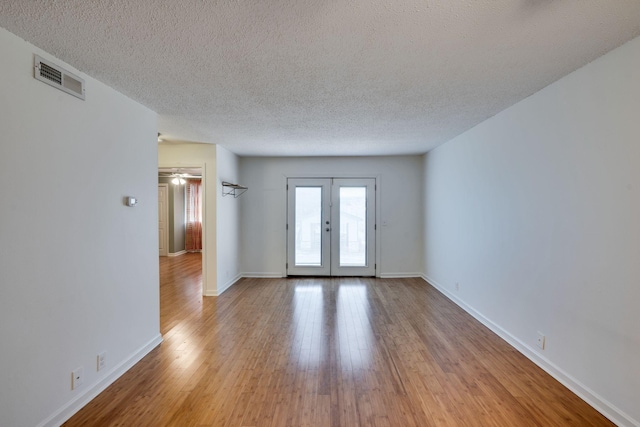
<point>193,238</point>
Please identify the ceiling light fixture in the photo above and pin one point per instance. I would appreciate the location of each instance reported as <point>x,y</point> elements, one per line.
<point>178,179</point>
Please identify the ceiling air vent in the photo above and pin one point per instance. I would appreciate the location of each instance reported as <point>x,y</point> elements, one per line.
<point>58,77</point>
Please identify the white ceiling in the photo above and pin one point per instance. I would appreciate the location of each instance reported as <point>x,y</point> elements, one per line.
<point>324,77</point>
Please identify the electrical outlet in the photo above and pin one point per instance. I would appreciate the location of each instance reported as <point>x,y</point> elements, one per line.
<point>457,287</point>
<point>540,341</point>
<point>102,361</point>
<point>77,378</point>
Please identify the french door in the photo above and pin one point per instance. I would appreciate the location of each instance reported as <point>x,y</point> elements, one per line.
<point>331,227</point>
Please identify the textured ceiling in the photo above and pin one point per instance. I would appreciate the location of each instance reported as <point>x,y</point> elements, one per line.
<point>324,77</point>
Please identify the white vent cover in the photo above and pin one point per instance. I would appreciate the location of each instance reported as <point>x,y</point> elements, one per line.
<point>58,77</point>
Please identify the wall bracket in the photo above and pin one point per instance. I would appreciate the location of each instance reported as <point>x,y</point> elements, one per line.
<point>233,189</point>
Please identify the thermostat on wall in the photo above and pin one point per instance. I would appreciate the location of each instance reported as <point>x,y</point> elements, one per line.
<point>131,201</point>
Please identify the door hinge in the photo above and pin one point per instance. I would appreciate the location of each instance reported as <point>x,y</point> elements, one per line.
<point>287,226</point>
<point>375,226</point>
<point>287,266</point>
<point>375,266</point>
<point>287,186</point>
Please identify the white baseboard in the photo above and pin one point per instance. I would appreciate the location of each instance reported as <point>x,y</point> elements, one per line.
<point>227,285</point>
<point>238,277</point>
<point>177,253</point>
<point>399,275</point>
<point>600,404</point>
<point>68,410</point>
<point>259,275</point>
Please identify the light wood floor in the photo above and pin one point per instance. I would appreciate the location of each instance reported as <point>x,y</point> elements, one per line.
<point>327,352</point>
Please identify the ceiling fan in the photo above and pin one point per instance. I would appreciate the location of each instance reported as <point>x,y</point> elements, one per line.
<point>177,176</point>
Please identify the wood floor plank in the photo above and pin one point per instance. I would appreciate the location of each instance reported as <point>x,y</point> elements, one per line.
<point>328,352</point>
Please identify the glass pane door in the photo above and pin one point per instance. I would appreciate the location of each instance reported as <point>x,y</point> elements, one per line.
<point>308,227</point>
<point>331,227</point>
<point>353,239</point>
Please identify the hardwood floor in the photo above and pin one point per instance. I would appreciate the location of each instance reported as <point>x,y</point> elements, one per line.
<point>327,352</point>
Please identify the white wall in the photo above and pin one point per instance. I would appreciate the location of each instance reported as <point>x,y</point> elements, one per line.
<point>264,208</point>
<point>228,221</point>
<point>536,214</point>
<point>204,157</point>
<point>78,269</point>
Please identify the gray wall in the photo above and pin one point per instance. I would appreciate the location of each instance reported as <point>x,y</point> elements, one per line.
<point>176,215</point>
<point>263,209</point>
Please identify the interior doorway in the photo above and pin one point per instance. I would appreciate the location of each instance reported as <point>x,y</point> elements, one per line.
<point>185,228</point>
<point>331,226</point>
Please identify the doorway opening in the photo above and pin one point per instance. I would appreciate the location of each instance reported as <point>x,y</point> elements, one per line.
<point>183,215</point>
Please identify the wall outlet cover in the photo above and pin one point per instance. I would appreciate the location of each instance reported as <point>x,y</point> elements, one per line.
<point>77,378</point>
<point>102,361</point>
<point>541,340</point>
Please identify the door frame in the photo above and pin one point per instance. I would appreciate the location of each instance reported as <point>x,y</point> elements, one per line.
<point>203,171</point>
<point>378,184</point>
